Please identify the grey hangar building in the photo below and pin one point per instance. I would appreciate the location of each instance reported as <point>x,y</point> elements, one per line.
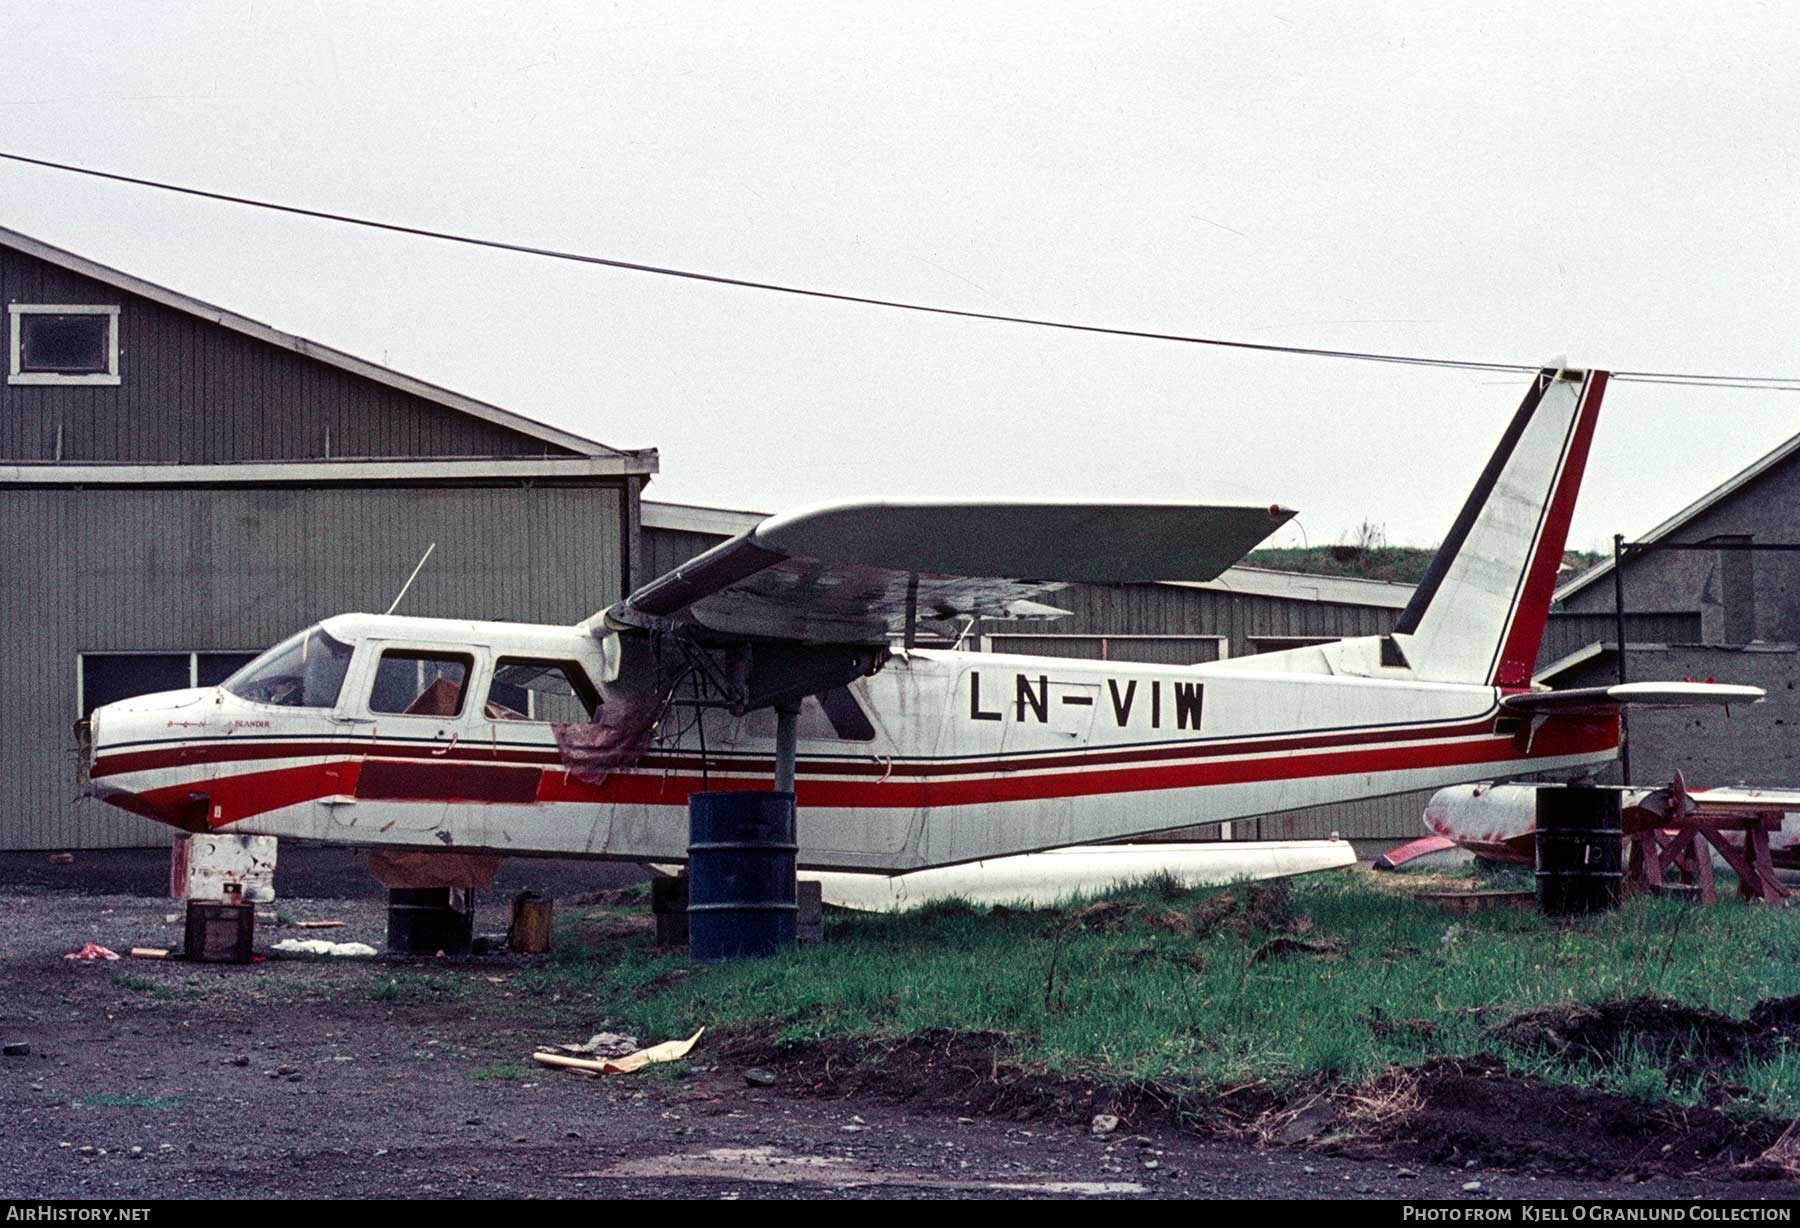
<point>181,486</point>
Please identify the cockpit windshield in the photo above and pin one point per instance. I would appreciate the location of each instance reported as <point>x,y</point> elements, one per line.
<point>306,671</point>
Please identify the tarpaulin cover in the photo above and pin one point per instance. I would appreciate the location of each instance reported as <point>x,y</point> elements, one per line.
<point>616,738</point>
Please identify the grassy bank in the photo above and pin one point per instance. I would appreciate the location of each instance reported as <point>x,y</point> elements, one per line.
<point>1338,978</point>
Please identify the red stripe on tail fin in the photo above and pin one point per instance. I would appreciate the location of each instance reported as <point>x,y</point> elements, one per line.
<point>1525,634</point>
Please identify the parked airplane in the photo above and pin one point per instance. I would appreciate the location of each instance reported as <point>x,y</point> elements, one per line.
<point>780,655</point>
<point>1498,822</point>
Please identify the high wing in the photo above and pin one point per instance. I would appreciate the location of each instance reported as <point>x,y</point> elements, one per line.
<point>1601,699</point>
<point>850,572</point>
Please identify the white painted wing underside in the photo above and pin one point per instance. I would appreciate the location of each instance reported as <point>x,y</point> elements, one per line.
<point>841,572</point>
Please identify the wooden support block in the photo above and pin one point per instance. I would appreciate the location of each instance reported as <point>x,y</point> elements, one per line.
<point>532,924</point>
<point>672,930</point>
<point>669,894</point>
<point>811,898</point>
<point>669,901</point>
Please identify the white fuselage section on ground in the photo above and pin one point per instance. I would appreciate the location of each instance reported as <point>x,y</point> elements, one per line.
<point>972,755</point>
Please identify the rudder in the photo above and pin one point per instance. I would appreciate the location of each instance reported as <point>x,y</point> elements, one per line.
<point>1479,613</point>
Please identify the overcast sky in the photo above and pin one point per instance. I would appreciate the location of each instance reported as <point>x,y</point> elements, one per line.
<point>1499,182</point>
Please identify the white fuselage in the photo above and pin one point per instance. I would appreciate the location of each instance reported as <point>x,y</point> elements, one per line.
<point>968,755</point>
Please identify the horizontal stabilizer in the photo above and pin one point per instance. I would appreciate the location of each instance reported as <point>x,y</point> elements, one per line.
<point>1646,694</point>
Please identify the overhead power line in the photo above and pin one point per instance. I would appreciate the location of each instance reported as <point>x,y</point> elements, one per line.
<point>1769,383</point>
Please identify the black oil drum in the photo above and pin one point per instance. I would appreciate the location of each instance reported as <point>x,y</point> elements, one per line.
<point>741,885</point>
<point>426,920</point>
<point>219,933</point>
<point>1580,852</point>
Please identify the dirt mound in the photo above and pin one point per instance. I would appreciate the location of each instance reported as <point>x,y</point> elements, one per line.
<point>1608,1030</point>
<point>965,1073</point>
<point>1444,1112</point>
<point>1779,1015</point>
<point>1476,1109</point>
<point>1605,1030</point>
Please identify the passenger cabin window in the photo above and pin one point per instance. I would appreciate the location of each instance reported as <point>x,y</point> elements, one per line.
<point>412,682</point>
<point>526,689</point>
<point>51,344</point>
<point>306,671</point>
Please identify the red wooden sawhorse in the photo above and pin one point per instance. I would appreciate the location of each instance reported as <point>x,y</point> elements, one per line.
<point>1676,844</point>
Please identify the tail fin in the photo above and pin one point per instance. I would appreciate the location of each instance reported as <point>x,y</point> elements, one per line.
<point>1478,616</point>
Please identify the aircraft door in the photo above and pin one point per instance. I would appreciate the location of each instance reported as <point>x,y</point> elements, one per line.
<point>416,701</point>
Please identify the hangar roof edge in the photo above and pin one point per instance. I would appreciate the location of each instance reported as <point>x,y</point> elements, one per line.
<point>639,461</point>
<point>308,472</point>
<point>1705,502</point>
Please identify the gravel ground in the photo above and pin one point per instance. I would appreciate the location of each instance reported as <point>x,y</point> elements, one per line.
<point>296,1078</point>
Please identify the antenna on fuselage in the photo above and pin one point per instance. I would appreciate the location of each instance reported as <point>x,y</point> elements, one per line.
<point>401,595</point>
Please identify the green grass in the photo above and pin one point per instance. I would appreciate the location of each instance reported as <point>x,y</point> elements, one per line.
<point>1148,1002</point>
<point>412,987</point>
<point>137,984</point>
<point>1772,1088</point>
<point>1395,564</point>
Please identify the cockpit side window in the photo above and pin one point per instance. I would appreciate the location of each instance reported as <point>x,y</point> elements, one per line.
<point>306,671</point>
<point>416,682</point>
<point>529,689</point>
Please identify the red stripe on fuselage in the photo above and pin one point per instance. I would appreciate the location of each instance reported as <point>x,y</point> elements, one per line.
<point>238,797</point>
<point>220,750</point>
<point>239,750</point>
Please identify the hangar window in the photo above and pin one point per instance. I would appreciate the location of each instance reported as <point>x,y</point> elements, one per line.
<point>414,682</point>
<point>107,677</point>
<point>60,344</point>
<point>530,690</point>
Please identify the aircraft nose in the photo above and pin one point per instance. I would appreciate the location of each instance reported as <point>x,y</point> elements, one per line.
<point>123,768</point>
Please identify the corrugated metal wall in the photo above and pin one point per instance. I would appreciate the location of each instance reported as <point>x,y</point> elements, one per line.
<point>1142,649</point>
<point>197,393</point>
<point>1574,630</point>
<point>1164,609</point>
<point>663,550</point>
<point>233,569</point>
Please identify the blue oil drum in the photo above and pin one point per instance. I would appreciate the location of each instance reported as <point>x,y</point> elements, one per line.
<point>1580,850</point>
<point>741,886</point>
